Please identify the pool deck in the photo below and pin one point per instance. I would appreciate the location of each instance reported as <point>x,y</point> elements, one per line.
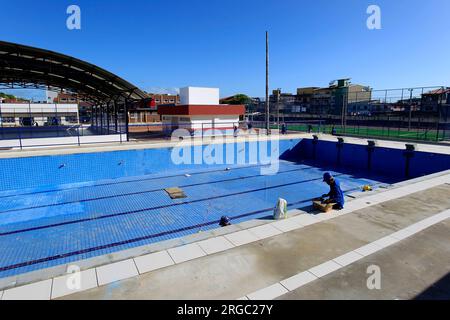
<point>162,143</point>
<point>403,230</point>
<point>416,268</point>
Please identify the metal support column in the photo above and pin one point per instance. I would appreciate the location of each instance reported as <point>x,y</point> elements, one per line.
<point>107,117</point>
<point>101,119</point>
<point>1,120</point>
<point>126,119</point>
<point>96,117</point>
<point>116,116</point>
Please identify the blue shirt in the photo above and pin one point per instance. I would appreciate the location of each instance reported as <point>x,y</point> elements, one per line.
<point>336,193</point>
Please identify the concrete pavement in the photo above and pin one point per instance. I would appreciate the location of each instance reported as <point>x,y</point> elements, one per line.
<point>416,268</point>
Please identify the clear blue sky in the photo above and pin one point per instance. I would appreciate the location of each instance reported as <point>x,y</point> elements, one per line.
<point>167,44</point>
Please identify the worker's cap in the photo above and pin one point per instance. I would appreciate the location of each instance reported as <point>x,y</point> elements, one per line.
<point>327,176</point>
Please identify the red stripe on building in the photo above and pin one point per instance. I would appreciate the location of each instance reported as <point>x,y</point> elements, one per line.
<point>191,110</point>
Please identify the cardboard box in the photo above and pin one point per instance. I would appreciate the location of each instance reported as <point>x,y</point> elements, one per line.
<point>324,207</point>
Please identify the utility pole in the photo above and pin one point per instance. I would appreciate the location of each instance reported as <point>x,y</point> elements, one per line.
<point>439,110</point>
<point>342,110</point>
<point>346,108</point>
<point>410,108</point>
<point>278,108</point>
<point>267,85</point>
<point>344,91</point>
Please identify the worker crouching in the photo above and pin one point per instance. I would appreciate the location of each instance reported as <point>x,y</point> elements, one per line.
<point>335,195</point>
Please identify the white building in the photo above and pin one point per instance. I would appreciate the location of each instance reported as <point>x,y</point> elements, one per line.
<point>38,114</point>
<point>200,112</point>
<point>50,96</point>
<point>199,96</point>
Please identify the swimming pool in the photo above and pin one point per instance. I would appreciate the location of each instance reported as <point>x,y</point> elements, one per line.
<point>60,209</point>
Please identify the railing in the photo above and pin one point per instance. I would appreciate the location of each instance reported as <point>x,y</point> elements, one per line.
<point>398,128</point>
<point>20,137</point>
<point>402,130</point>
<point>27,137</point>
<point>220,129</point>
<point>420,113</point>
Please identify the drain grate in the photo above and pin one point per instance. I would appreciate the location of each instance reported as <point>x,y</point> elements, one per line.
<point>175,193</point>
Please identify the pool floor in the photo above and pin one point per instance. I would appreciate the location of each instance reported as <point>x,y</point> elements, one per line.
<point>54,225</point>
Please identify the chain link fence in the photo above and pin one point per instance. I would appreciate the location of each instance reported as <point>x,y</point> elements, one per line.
<point>410,113</point>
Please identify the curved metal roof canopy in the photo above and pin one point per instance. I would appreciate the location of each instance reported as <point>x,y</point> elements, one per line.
<point>28,67</point>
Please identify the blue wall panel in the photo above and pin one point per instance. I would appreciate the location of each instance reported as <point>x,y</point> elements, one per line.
<point>42,171</point>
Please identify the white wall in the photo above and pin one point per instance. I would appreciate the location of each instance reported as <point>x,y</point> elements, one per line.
<point>202,123</point>
<point>39,111</point>
<point>38,107</point>
<point>199,96</point>
<point>51,95</point>
<point>220,121</point>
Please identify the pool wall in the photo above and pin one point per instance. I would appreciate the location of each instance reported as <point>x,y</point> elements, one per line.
<point>379,160</point>
<point>43,171</point>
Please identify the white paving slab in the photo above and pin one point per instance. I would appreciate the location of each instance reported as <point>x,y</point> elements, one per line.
<point>153,261</point>
<point>434,219</point>
<point>286,225</point>
<point>324,268</point>
<point>446,214</point>
<point>348,258</point>
<point>72,283</point>
<point>427,223</point>
<point>186,252</point>
<point>116,271</point>
<point>402,234</point>
<point>36,291</point>
<point>386,241</point>
<point>325,216</point>
<point>352,205</point>
<point>298,280</point>
<point>368,249</point>
<point>305,219</point>
<point>417,227</point>
<point>265,231</point>
<point>346,210</point>
<point>215,245</point>
<point>241,237</point>
<point>268,293</point>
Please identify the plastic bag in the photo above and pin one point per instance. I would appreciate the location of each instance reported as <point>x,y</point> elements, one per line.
<point>280,211</point>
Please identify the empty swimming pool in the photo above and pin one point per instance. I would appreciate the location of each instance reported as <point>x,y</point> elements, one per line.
<point>60,209</point>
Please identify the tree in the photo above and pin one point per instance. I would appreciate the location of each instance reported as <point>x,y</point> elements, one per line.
<point>237,99</point>
<point>6,96</point>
